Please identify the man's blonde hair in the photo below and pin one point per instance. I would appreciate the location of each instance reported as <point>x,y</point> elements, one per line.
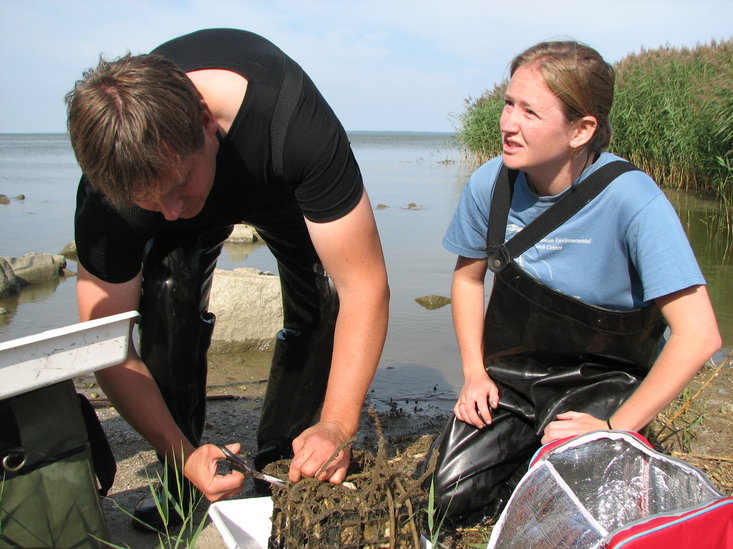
<point>130,121</point>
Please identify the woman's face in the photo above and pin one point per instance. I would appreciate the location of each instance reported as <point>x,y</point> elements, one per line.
<point>536,133</point>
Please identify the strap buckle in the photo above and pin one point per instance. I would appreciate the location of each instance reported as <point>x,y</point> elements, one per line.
<point>498,258</point>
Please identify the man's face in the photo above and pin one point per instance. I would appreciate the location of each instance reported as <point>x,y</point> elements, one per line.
<point>182,192</point>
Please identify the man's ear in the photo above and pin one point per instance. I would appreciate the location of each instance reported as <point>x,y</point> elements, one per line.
<point>585,129</point>
<point>210,124</point>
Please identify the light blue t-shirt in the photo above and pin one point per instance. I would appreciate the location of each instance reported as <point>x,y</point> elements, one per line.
<point>623,249</point>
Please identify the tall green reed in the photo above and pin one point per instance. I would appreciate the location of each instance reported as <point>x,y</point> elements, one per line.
<point>479,132</point>
<point>171,495</point>
<point>673,116</point>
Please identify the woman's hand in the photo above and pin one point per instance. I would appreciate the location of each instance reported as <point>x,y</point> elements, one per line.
<point>478,397</point>
<point>201,469</point>
<point>572,424</point>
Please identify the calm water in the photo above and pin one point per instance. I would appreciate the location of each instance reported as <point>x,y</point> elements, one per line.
<point>420,359</point>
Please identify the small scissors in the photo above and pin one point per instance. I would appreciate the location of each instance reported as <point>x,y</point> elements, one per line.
<point>239,464</point>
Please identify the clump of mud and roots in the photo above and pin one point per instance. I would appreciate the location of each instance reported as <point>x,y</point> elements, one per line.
<point>382,502</point>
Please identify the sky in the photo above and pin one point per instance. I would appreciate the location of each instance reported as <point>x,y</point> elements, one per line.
<point>392,65</point>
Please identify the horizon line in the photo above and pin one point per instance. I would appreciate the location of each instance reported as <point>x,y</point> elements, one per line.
<point>347,131</point>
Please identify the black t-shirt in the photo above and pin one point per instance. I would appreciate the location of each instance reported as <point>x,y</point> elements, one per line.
<point>320,178</point>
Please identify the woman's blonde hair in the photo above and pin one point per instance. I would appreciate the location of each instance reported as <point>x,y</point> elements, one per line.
<point>580,78</point>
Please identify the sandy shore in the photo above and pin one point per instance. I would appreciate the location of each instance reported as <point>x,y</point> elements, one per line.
<point>230,418</point>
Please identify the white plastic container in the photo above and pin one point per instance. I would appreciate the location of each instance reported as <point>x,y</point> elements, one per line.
<point>243,523</point>
<point>39,360</point>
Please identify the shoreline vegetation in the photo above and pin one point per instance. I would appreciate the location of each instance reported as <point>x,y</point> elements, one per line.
<point>672,117</point>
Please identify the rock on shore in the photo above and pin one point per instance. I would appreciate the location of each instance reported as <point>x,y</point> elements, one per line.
<point>246,301</point>
<point>16,272</point>
<point>248,310</point>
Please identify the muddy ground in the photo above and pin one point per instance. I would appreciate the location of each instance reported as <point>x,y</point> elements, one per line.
<point>700,430</point>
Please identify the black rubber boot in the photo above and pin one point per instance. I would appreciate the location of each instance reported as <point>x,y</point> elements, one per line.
<point>299,375</point>
<point>175,333</point>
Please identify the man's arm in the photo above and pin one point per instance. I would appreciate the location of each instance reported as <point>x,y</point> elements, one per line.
<point>129,385</point>
<point>351,253</point>
<point>133,391</point>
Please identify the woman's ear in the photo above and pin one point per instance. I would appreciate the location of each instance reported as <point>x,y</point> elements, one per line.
<point>585,129</point>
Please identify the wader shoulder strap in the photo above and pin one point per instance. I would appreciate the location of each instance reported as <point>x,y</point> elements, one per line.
<point>500,252</point>
<point>287,99</point>
<point>498,214</point>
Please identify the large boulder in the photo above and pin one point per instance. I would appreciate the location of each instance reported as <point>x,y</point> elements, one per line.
<point>69,251</point>
<point>248,308</point>
<point>243,233</point>
<point>33,268</point>
<point>9,283</point>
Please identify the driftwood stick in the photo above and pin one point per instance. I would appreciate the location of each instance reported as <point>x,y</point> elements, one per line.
<point>392,520</point>
<point>411,519</point>
<point>685,456</point>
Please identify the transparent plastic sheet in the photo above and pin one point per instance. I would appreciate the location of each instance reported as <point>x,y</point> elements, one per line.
<point>595,484</point>
<point>636,483</point>
<point>544,496</point>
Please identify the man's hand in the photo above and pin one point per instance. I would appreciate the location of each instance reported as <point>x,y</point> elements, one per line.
<point>314,447</point>
<point>201,469</point>
<point>572,424</point>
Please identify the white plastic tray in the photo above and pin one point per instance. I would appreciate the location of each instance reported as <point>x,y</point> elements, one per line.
<point>243,523</point>
<point>39,360</point>
<point>246,523</point>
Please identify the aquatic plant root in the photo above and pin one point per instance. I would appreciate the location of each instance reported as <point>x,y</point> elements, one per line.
<point>384,507</point>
